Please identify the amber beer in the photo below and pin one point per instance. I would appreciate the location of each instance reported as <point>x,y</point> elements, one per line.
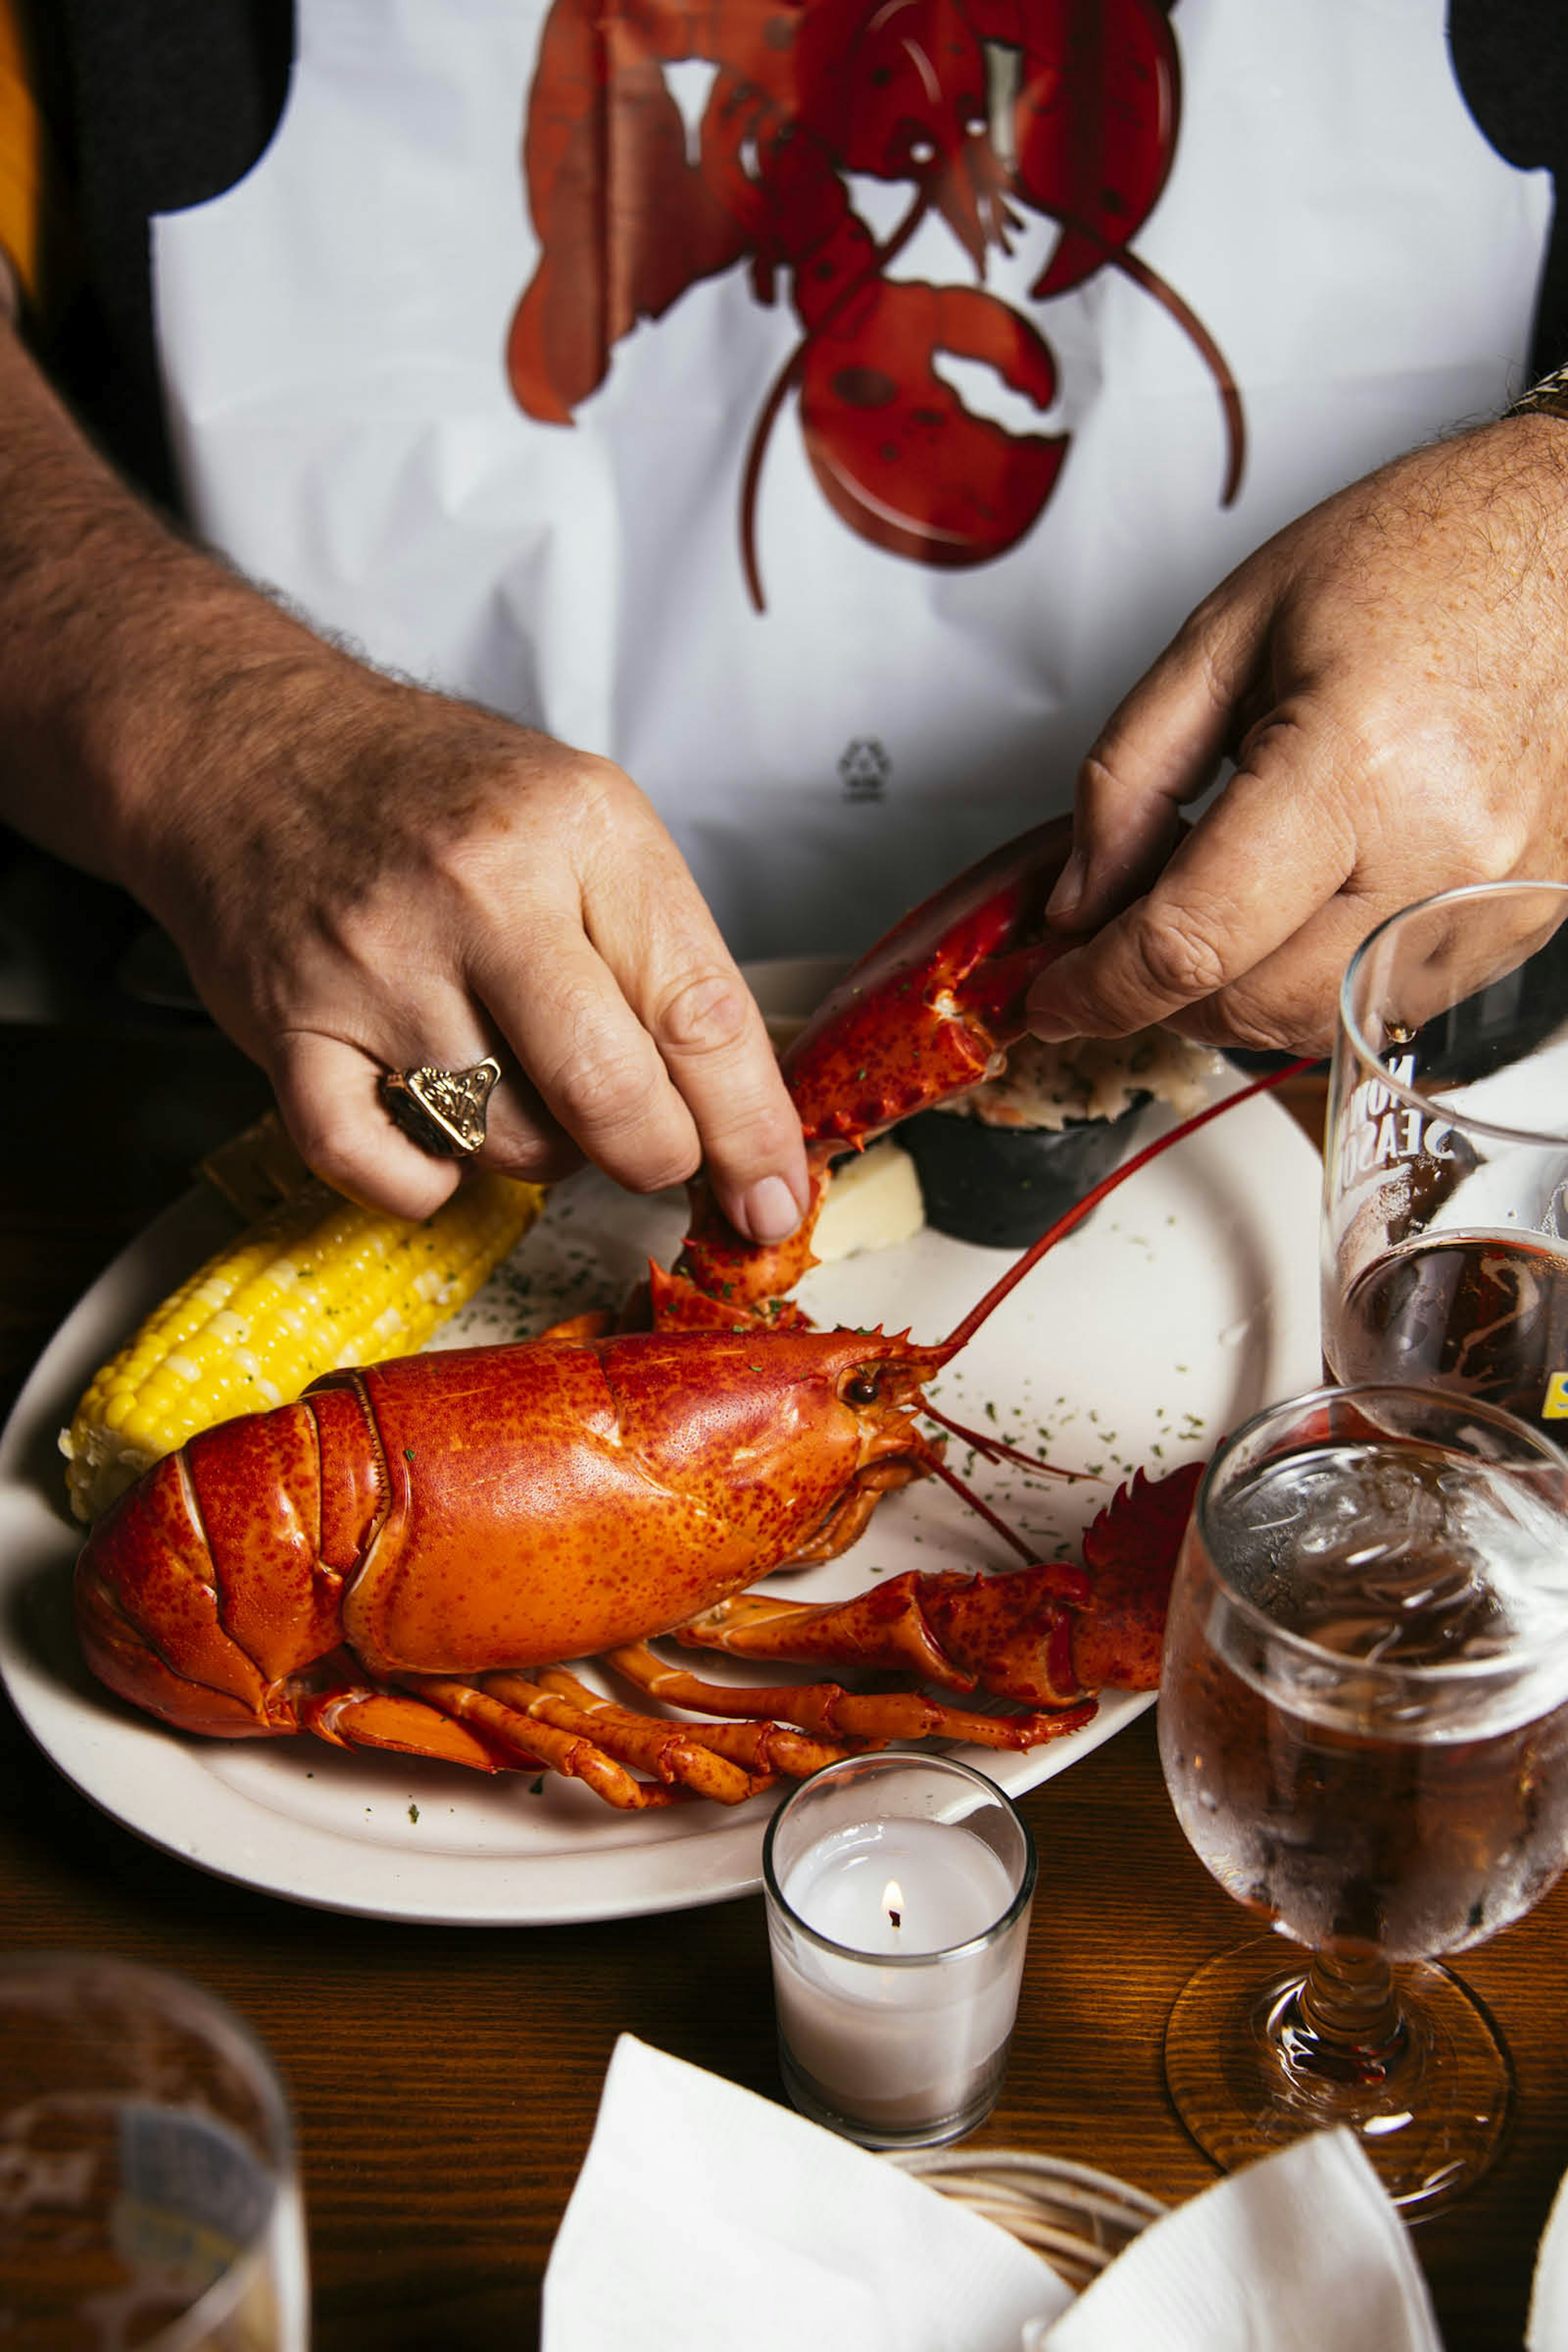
<point>1483,1314</point>
<point>1357,1742</point>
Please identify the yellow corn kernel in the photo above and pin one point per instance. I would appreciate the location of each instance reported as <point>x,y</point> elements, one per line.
<point>316,1283</point>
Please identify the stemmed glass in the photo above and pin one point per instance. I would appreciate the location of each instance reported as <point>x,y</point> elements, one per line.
<point>1444,1228</point>
<point>1364,1724</point>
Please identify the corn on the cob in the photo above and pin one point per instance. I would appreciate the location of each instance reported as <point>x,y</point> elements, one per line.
<point>316,1283</point>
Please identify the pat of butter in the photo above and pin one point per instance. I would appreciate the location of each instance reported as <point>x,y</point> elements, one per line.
<point>873,1201</point>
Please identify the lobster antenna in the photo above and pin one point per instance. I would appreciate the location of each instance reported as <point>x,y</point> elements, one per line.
<point>1031,1552</point>
<point>1091,1201</point>
<point>995,1450</point>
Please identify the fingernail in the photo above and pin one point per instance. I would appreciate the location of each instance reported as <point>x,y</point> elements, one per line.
<point>1051,1028</point>
<point>769,1211</point>
<point>1064,901</point>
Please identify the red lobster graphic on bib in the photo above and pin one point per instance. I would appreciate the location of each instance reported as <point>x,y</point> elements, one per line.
<point>1069,107</point>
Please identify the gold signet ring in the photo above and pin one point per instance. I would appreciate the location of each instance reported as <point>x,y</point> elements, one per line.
<point>443,1111</point>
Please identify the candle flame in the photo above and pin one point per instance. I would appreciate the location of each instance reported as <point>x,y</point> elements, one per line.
<point>893,1902</point>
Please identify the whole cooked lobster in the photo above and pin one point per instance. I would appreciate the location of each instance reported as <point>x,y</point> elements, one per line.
<point>403,1558</point>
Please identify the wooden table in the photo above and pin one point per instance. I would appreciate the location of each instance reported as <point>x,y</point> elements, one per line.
<point>446,2081</point>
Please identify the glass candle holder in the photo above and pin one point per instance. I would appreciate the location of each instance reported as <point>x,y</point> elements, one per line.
<point>898,1891</point>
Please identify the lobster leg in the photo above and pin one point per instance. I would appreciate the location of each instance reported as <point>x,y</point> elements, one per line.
<point>531,1740</point>
<point>566,1726</point>
<point>456,1723</point>
<point>766,1750</point>
<point>1008,1633</point>
<point>875,1716</point>
<point>665,1750</point>
<point>1044,1635</point>
<point>358,1715</point>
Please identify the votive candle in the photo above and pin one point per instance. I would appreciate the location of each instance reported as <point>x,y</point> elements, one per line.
<point>899,1892</point>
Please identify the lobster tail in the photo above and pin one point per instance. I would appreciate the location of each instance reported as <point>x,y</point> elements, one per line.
<point>204,1587</point>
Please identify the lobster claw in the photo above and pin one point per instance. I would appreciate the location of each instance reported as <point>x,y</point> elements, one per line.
<point>1046,1635</point>
<point>927,1011</point>
<point>922,1016</point>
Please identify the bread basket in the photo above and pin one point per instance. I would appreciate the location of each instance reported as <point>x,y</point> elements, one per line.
<point>1079,2220</point>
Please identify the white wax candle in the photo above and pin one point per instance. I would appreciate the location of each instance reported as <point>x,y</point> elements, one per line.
<point>898,2048</point>
<point>952,1886</point>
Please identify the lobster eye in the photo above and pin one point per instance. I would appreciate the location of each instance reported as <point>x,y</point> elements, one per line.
<point>860,1388</point>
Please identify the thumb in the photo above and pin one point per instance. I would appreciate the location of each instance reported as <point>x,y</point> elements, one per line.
<point>1160,747</point>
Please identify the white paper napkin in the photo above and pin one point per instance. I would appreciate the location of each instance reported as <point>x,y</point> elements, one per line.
<point>1301,2251</point>
<point>705,2217</point>
<point>1548,2327</point>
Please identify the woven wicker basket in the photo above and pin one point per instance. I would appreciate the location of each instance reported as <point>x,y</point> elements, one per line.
<point>1079,2220</point>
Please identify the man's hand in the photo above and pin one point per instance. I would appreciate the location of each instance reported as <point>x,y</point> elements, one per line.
<point>362,876</point>
<point>1390,675</point>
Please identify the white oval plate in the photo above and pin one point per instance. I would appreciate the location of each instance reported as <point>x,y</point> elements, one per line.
<point>1186,1301</point>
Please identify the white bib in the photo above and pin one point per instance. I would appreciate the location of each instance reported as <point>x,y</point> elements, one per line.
<point>1333,230</point>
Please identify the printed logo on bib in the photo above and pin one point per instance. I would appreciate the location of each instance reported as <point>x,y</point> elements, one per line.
<point>1381,1131</point>
<point>866,768</point>
<point>1556,1405</point>
<point>972,109</point>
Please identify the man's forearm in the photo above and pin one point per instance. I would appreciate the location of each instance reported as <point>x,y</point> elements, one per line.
<point>122,644</point>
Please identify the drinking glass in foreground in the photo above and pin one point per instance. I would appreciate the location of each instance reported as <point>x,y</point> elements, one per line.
<point>1444,1225</point>
<point>148,2191</point>
<point>1364,1724</point>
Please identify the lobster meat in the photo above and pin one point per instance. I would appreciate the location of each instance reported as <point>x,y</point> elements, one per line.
<point>403,1558</point>
<point>1069,108</point>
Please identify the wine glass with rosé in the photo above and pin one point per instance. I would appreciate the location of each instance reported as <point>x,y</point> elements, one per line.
<point>1363,1726</point>
<point>1446,1158</point>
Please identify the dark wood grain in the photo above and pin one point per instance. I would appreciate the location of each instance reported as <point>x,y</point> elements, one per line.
<point>446,2081</point>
